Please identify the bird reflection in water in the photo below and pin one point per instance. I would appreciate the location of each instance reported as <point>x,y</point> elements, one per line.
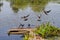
<point>39,18</point>
<point>21,26</point>
<point>25,17</point>
<point>29,26</point>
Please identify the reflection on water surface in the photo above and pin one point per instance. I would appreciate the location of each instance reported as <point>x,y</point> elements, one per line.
<point>11,12</point>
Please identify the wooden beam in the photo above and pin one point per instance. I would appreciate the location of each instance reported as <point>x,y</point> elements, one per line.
<point>18,31</point>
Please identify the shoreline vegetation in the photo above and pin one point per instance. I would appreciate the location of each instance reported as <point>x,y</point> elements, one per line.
<point>44,31</point>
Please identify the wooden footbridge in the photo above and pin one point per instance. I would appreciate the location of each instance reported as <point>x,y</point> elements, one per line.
<point>19,31</point>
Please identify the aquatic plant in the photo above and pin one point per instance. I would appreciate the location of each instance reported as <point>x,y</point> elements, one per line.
<point>47,30</point>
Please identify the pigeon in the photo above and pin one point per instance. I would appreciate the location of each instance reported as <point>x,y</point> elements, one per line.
<point>39,18</point>
<point>21,25</point>
<point>46,12</point>
<point>29,26</point>
<point>25,16</point>
<point>25,19</point>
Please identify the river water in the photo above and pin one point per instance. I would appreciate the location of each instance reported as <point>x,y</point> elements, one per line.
<point>10,19</point>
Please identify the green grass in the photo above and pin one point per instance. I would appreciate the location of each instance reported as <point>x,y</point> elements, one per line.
<point>26,37</point>
<point>47,30</point>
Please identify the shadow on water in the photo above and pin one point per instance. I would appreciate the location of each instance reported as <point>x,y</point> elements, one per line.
<point>13,10</point>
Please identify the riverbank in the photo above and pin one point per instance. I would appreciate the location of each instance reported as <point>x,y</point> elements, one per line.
<point>44,32</point>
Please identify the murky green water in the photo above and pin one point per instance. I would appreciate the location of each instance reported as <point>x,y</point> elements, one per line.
<point>11,12</point>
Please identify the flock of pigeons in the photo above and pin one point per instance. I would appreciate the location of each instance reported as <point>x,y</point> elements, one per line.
<point>26,18</point>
